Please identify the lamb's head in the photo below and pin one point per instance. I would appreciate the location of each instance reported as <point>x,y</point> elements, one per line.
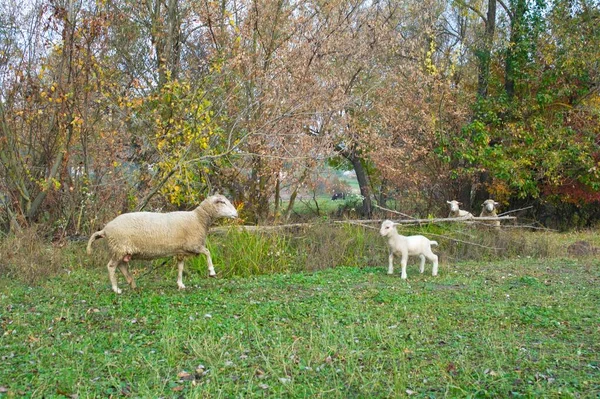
<point>387,227</point>
<point>453,205</point>
<point>490,205</point>
<point>221,207</point>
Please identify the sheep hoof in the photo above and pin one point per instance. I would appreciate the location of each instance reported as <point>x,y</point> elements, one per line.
<point>117,290</point>
<point>181,286</point>
<point>212,275</point>
<point>404,277</point>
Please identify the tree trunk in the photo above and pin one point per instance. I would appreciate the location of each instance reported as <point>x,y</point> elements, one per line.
<point>277,195</point>
<point>363,180</point>
<point>383,195</point>
<point>166,39</point>
<point>485,53</point>
<point>258,199</point>
<point>513,51</point>
<point>288,210</point>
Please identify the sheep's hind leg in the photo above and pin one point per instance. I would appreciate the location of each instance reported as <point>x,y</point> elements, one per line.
<point>112,267</point>
<point>180,273</point>
<point>128,277</point>
<point>434,259</point>
<point>422,267</point>
<point>211,268</point>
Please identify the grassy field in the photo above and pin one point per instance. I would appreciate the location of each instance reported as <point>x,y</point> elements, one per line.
<point>510,328</point>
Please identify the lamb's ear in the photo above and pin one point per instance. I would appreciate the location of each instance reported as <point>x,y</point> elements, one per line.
<point>496,203</point>
<point>448,202</point>
<point>395,224</point>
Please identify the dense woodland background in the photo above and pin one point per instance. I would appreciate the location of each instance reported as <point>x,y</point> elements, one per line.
<point>110,106</point>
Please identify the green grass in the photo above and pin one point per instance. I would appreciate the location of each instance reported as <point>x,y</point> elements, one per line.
<point>520,328</point>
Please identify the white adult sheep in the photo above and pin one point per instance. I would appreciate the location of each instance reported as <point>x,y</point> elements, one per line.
<point>151,235</point>
<point>489,210</point>
<point>456,212</point>
<point>408,245</point>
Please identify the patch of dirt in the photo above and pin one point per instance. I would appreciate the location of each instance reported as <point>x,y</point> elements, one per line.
<point>582,248</point>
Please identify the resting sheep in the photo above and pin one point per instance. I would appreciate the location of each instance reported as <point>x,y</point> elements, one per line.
<point>151,235</point>
<point>489,210</point>
<point>405,246</point>
<point>456,212</point>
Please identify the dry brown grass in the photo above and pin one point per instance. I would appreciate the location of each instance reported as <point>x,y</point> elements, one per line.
<point>27,256</point>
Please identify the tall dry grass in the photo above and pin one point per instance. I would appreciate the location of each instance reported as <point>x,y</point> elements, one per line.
<point>29,257</point>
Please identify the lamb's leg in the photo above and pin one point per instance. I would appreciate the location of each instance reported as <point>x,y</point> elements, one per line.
<point>434,259</point>
<point>128,277</point>
<point>391,263</point>
<point>211,268</point>
<point>180,272</point>
<point>112,267</point>
<point>403,262</point>
<point>422,267</point>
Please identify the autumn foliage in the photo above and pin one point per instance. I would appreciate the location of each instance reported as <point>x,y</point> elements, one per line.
<point>112,106</point>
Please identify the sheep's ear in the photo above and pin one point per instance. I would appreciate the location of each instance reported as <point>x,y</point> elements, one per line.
<point>448,202</point>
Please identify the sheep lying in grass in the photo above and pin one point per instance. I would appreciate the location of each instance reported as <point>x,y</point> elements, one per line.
<point>408,245</point>
<point>489,210</point>
<point>151,235</point>
<point>456,212</point>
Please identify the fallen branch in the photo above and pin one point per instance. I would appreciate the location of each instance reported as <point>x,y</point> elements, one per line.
<point>393,211</point>
<point>463,220</point>
<point>516,210</point>
<point>528,226</point>
<point>363,223</point>
<point>464,242</point>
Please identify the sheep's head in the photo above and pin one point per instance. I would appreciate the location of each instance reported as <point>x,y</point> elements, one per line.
<point>490,205</point>
<point>222,207</point>
<point>386,227</point>
<point>453,205</point>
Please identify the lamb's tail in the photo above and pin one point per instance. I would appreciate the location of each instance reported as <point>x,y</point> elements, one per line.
<point>94,237</point>
<point>433,242</point>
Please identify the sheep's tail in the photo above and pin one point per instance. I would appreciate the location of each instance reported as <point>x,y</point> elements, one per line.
<point>94,237</point>
<point>433,242</point>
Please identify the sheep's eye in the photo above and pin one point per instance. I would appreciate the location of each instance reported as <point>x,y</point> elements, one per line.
<point>219,201</point>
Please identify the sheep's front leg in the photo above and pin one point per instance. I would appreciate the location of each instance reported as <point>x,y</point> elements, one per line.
<point>404,261</point>
<point>112,267</point>
<point>180,262</point>
<point>422,267</point>
<point>211,268</point>
<point>391,263</point>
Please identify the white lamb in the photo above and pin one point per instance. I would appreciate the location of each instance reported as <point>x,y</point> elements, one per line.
<point>151,235</point>
<point>456,212</point>
<point>408,245</point>
<point>489,210</point>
